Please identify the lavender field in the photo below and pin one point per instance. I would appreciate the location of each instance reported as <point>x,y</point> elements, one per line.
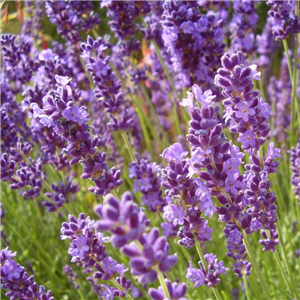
<point>150,150</point>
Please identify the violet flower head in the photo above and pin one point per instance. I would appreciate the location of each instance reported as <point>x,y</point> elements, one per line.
<point>154,252</point>
<point>70,122</point>
<point>72,17</point>
<point>204,98</point>
<point>195,275</point>
<point>284,20</point>
<point>245,108</point>
<point>123,219</point>
<point>174,213</point>
<point>174,153</point>
<point>243,25</point>
<point>147,180</point>
<point>176,291</point>
<point>86,245</point>
<point>15,279</point>
<point>208,275</point>
<point>295,167</point>
<point>194,41</point>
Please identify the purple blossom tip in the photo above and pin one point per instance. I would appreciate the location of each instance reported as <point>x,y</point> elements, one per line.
<point>174,153</point>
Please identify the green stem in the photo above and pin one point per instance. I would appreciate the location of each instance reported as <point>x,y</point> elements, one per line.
<point>286,49</point>
<point>293,77</point>
<point>203,260</point>
<point>125,138</point>
<point>294,86</point>
<point>246,286</point>
<point>175,115</point>
<point>162,283</point>
<point>128,296</point>
<point>288,267</point>
<point>283,274</point>
<point>256,267</point>
<point>80,294</point>
<point>29,234</point>
<point>144,127</point>
<point>153,110</point>
<point>138,111</point>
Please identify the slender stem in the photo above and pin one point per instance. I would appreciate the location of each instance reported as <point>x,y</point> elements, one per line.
<point>162,283</point>
<point>125,138</point>
<point>286,49</point>
<point>261,86</point>
<point>152,108</point>
<point>80,294</point>
<point>283,274</point>
<point>201,255</point>
<point>144,128</point>
<point>138,111</point>
<point>246,286</point>
<point>256,267</point>
<point>294,79</point>
<point>282,246</point>
<point>203,260</point>
<point>165,69</point>
<point>175,115</point>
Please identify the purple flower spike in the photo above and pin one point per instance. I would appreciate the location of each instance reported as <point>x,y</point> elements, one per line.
<point>147,181</point>
<point>204,98</point>
<point>155,251</point>
<point>244,107</point>
<point>195,275</point>
<point>207,276</point>
<point>176,291</point>
<point>123,219</point>
<point>15,279</point>
<point>295,167</point>
<point>174,153</point>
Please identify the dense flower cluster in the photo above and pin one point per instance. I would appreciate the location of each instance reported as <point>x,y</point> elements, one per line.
<point>245,109</point>
<point>87,248</point>
<point>70,122</point>
<point>147,181</point>
<point>180,142</point>
<point>295,167</point>
<point>194,41</point>
<point>19,284</point>
<point>243,25</point>
<point>206,275</point>
<point>284,20</point>
<point>148,252</point>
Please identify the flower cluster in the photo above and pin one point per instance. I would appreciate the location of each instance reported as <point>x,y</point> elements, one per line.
<point>247,204</point>
<point>173,145</point>
<point>284,19</point>
<point>295,167</point>
<point>147,181</point>
<point>15,279</point>
<point>122,24</point>
<point>209,271</point>
<point>245,109</point>
<point>70,122</point>
<point>87,248</point>
<point>243,25</point>
<point>149,252</point>
<point>193,40</point>
<point>72,17</point>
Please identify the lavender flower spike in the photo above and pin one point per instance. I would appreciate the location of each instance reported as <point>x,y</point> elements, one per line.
<point>176,291</point>
<point>15,279</point>
<point>295,167</point>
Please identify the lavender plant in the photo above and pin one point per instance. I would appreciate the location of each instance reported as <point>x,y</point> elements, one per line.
<point>150,150</point>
